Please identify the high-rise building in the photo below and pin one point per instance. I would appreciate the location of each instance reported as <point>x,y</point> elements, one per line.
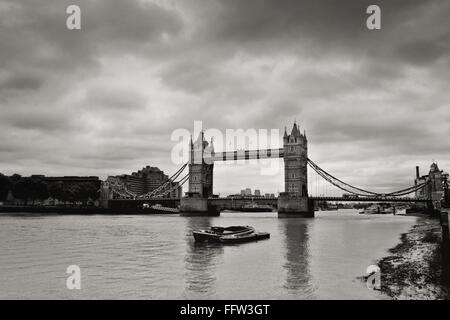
<point>257,192</point>
<point>148,179</point>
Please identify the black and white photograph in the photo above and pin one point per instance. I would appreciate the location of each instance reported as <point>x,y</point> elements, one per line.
<point>244,152</point>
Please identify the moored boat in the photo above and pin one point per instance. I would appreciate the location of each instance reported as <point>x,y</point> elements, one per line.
<point>373,209</point>
<point>389,210</point>
<point>254,207</point>
<point>215,233</point>
<point>240,238</point>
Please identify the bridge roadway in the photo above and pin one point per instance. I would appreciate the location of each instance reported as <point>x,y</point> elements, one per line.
<point>245,155</point>
<point>120,205</point>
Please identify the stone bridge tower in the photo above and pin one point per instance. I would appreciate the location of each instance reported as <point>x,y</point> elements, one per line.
<point>200,172</point>
<point>201,169</point>
<point>294,201</point>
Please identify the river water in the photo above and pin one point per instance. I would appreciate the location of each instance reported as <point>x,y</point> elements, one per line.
<point>154,257</point>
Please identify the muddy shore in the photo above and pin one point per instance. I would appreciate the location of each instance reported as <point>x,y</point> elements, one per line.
<point>413,268</point>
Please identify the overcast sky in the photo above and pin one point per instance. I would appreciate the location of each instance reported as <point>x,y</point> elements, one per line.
<point>105,99</point>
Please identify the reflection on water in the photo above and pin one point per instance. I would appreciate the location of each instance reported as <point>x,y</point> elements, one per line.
<point>155,257</point>
<point>200,260</point>
<point>296,255</point>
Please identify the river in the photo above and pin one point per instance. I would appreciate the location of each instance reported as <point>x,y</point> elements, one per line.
<point>155,257</point>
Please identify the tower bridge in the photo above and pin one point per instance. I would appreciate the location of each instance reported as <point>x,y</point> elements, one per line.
<point>296,200</point>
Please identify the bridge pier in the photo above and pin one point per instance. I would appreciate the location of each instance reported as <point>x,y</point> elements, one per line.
<point>197,206</point>
<point>293,206</point>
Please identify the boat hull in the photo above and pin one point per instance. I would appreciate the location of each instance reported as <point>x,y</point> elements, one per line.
<point>255,236</point>
<point>215,233</point>
<point>200,236</point>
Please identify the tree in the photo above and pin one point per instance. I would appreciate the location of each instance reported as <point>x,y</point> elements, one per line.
<point>86,191</point>
<point>55,190</point>
<point>30,189</point>
<point>22,189</point>
<point>40,190</point>
<point>5,187</point>
<point>69,192</point>
<point>14,178</point>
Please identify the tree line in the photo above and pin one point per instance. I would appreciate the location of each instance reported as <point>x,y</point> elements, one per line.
<point>32,189</point>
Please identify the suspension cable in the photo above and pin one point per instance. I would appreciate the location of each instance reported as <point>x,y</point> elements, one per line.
<point>164,184</point>
<point>330,178</point>
<point>178,185</point>
<point>349,188</point>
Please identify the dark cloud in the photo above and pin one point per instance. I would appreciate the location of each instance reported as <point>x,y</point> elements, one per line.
<point>425,51</point>
<point>105,99</point>
<point>22,82</point>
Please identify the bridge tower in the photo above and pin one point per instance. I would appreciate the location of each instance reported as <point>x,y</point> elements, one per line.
<point>294,201</point>
<point>436,188</point>
<point>201,169</point>
<point>200,172</point>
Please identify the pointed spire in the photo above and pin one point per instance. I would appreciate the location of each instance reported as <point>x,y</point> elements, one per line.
<point>295,131</point>
<point>285,133</point>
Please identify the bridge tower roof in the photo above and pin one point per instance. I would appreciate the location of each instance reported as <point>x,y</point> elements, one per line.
<point>295,130</point>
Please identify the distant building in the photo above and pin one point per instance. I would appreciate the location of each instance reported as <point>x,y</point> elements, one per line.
<point>423,192</point>
<point>248,192</point>
<point>148,179</point>
<point>257,192</point>
<point>434,190</point>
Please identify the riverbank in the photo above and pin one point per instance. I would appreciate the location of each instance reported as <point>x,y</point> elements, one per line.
<point>60,210</point>
<point>54,210</point>
<point>413,268</point>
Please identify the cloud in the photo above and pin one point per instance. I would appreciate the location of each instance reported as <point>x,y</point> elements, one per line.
<point>105,99</point>
<point>22,82</point>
